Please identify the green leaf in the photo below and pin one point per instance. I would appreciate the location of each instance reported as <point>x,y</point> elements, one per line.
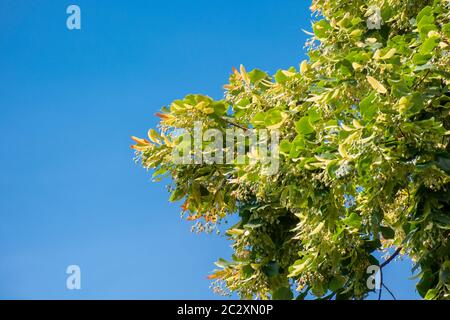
<point>354,220</point>
<point>283,293</point>
<point>177,195</point>
<point>318,289</point>
<point>425,282</point>
<point>337,283</point>
<point>444,219</point>
<point>425,23</point>
<point>302,295</point>
<point>257,75</point>
<point>426,11</point>
<point>282,76</point>
<point>388,233</point>
<point>416,103</point>
<point>443,163</point>
<point>272,118</point>
<point>303,126</point>
<point>298,145</point>
<point>367,106</point>
<point>444,273</point>
<point>271,269</point>
<point>428,46</point>
<point>426,66</point>
<point>259,119</point>
<point>332,166</point>
<point>420,59</point>
<point>285,146</point>
<point>321,29</point>
<point>161,171</point>
<point>314,116</point>
<point>247,271</point>
<point>446,30</point>
<point>219,108</point>
<point>425,28</point>
<point>431,294</point>
<point>399,88</point>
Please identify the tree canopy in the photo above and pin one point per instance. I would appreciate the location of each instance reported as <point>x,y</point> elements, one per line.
<point>364,156</point>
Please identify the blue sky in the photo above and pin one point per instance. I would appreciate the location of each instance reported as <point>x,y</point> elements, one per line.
<point>70,192</point>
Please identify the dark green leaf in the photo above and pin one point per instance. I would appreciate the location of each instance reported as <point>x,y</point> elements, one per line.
<point>388,233</point>
<point>283,293</point>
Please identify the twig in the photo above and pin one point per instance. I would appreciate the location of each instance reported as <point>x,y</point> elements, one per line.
<point>399,128</point>
<point>390,292</point>
<point>392,257</point>
<point>234,124</point>
<point>382,284</point>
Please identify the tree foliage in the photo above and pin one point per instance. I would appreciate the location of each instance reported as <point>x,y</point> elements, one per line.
<point>364,156</point>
